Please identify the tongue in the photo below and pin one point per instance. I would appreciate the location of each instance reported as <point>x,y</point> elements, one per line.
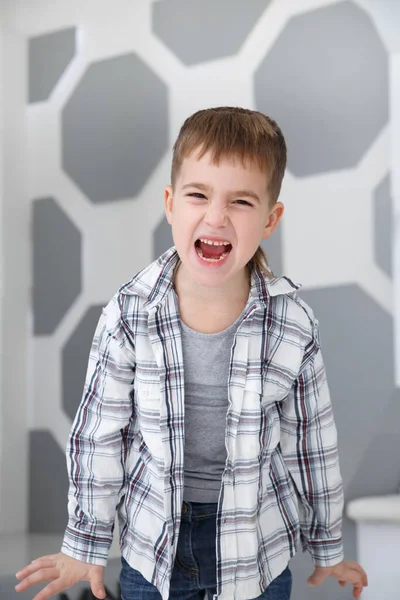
<point>212,251</point>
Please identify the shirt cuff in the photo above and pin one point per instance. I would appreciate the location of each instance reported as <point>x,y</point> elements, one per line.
<point>89,547</point>
<point>326,552</point>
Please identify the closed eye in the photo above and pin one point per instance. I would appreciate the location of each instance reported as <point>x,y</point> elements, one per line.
<point>243,203</point>
<point>197,195</point>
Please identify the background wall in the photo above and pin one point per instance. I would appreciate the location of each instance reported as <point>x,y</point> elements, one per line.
<point>16,249</point>
<point>96,98</point>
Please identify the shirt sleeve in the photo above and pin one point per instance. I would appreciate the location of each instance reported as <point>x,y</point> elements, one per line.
<point>99,442</point>
<point>309,447</point>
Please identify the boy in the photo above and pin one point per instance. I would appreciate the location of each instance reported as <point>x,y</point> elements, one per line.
<point>206,420</point>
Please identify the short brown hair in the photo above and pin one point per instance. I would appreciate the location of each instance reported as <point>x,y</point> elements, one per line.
<point>229,131</point>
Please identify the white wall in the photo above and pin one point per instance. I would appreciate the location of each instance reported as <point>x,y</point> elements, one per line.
<point>395,107</point>
<point>15,287</point>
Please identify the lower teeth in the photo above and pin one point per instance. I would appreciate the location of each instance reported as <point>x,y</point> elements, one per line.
<point>200,253</point>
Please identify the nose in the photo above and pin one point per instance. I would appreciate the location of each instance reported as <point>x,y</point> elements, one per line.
<point>215,215</point>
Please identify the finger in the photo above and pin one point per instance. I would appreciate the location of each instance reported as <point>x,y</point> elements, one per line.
<point>351,576</point>
<point>317,578</point>
<point>355,579</point>
<point>98,590</point>
<point>39,577</point>
<point>358,582</point>
<point>357,592</point>
<point>342,583</point>
<point>357,567</point>
<point>40,563</point>
<point>46,556</point>
<point>54,588</point>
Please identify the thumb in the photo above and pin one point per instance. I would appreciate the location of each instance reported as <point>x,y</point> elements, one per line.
<point>97,587</point>
<point>317,578</point>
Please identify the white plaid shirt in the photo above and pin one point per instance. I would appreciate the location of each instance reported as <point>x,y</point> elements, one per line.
<point>281,487</point>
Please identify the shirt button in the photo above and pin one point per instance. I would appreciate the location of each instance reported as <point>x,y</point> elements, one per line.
<point>145,393</point>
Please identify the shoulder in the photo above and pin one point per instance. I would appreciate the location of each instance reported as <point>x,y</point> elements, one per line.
<point>129,306</point>
<point>287,310</point>
<point>122,316</point>
<point>152,283</point>
<point>301,310</point>
<point>288,318</point>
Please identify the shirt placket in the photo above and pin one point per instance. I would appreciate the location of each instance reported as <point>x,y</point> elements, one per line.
<point>237,379</point>
<point>167,350</point>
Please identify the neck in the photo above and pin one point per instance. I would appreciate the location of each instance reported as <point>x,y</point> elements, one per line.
<point>236,289</point>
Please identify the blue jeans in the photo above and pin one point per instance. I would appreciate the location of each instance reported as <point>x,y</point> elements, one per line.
<point>194,573</point>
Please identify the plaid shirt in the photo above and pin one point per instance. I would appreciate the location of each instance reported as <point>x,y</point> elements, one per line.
<point>281,487</point>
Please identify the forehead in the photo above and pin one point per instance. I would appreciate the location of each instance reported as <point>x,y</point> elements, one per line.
<point>228,170</point>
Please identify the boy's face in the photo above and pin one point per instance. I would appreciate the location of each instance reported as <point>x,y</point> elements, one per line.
<point>226,204</point>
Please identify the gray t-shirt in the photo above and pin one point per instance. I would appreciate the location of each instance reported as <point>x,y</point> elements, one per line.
<point>206,360</point>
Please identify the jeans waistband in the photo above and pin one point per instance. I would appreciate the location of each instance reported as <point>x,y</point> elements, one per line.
<point>198,510</point>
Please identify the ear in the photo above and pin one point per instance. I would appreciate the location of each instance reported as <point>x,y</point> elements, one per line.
<point>273,220</point>
<point>168,200</point>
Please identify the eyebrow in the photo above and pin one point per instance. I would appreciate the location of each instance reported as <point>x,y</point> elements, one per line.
<point>236,193</point>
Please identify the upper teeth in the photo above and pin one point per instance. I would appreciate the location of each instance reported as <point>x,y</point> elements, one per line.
<point>211,243</point>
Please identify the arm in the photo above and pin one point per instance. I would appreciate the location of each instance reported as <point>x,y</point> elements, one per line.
<point>309,448</point>
<point>99,442</point>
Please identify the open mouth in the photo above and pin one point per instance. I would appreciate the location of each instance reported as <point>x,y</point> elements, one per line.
<point>212,251</point>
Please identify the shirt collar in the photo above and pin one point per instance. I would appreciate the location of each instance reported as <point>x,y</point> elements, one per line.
<point>155,282</point>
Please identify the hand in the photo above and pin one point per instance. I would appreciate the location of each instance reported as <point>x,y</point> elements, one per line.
<point>63,572</point>
<point>345,572</point>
